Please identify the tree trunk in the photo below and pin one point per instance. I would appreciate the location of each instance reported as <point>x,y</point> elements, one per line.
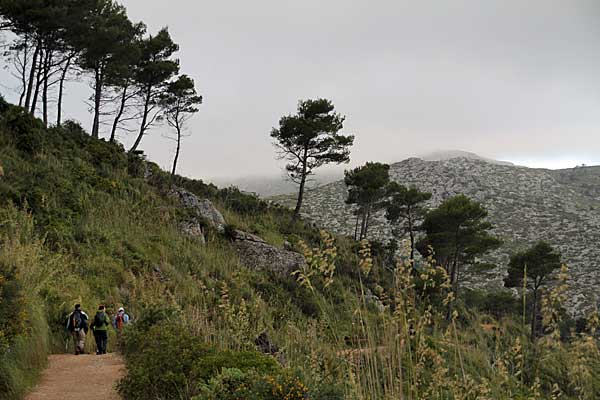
<point>363,224</point>
<point>46,76</point>
<point>457,278</point>
<point>367,220</point>
<point>356,225</point>
<point>38,82</point>
<point>453,282</point>
<point>454,274</point>
<point>301,189</point>
<point>61,86</point>
<point>24,72</point>
<point>300,198</point>
<point>412,239</point>
<point>176,152</point>
<point>411,233</point>
<point>144,120</point>
<point>32,71</point>
<point>113,132</point>
<point>97,101</point>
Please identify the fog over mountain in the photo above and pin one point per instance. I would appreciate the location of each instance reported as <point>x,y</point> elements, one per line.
<point>270,185</point>
<point>274,185</point>
<point>450,154</point>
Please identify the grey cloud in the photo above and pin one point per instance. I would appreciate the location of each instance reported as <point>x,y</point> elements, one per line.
<point>508,79</point>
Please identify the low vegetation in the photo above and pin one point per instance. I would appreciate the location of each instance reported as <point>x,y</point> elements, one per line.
<point>82,221</point>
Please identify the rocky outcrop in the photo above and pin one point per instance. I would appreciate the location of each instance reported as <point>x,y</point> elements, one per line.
<point>211,215</point>
<point>201,211</point>
<point>202,208</point>
<point>524,204</point>
<point>192,228</point>
<point>255,253</point>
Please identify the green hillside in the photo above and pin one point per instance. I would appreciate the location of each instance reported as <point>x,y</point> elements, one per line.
<point>82,221</point>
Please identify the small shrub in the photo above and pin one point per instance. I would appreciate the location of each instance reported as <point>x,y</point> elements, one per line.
<point>242,203</point>
<point>12,313</point>
<point>3,105</point>
<point>496,303</point>
<point>135,165</point>
<point>234,384</point>
<point>164,368</point>
<point>174,364</point>
<point>27,130</point>
<point>229,232</point>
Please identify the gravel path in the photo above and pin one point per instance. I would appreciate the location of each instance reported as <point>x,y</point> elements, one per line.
<point>89,377</point>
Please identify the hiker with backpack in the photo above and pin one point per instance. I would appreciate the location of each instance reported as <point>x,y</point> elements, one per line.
<point>120,320</point>
<point>100,326</point>
<point>78,327</point>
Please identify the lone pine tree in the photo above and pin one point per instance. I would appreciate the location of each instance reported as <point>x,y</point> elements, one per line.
<point>309,140</point>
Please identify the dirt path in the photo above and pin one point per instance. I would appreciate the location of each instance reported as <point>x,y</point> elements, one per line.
<point>89,377</point>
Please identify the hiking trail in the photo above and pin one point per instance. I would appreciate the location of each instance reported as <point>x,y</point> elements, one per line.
<point>70,377</point>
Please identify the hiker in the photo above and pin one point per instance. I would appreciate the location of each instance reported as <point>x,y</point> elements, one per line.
<point>78,327</point>
<point>100,326</point>
<point>120,319</point>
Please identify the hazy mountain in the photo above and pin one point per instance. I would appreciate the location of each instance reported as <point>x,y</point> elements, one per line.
<point>525,205</point>
<point>275,185</point>
<point>267,186</point>
<point>450,154</point>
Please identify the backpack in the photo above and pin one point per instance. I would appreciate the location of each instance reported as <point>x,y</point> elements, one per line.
<point>77,320</point>
<point>119,321</point>
<point>99,320</point>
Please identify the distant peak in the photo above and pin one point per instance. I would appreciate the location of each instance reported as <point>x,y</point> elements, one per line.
<point>451,154</point>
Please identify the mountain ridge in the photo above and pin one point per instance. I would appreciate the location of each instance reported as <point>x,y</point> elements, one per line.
<point>524,204</point>
<point>270,185</point>
<point>451,154</point>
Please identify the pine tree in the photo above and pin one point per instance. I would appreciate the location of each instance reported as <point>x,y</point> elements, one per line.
<point>155,69</point>
<point>179,102</point>
<point>405,208</point>
<point>536,263</point>
<point>309,140</point>
<point>367,188</point>
<point>104,45</point>
<point>458,232</point>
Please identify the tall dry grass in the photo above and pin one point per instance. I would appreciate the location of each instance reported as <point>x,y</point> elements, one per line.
<point>407,349</point>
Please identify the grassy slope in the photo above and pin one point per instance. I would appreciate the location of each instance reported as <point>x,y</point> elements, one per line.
<point>103,234</point>
<point>79,223</point>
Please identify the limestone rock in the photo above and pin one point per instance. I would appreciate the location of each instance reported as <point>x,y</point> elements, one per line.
<point>257,254</point>
<point>193,229</point>
<point>211,214</point>
<point>241,236</point>
<point>202,208</point>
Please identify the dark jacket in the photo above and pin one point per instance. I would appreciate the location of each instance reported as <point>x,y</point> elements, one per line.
<point>84,321</point>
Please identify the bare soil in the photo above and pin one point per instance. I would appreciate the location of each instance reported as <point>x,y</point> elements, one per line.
<point>89,377</point>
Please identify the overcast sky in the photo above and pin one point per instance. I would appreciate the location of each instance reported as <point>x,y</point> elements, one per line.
<point>514,80</point>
